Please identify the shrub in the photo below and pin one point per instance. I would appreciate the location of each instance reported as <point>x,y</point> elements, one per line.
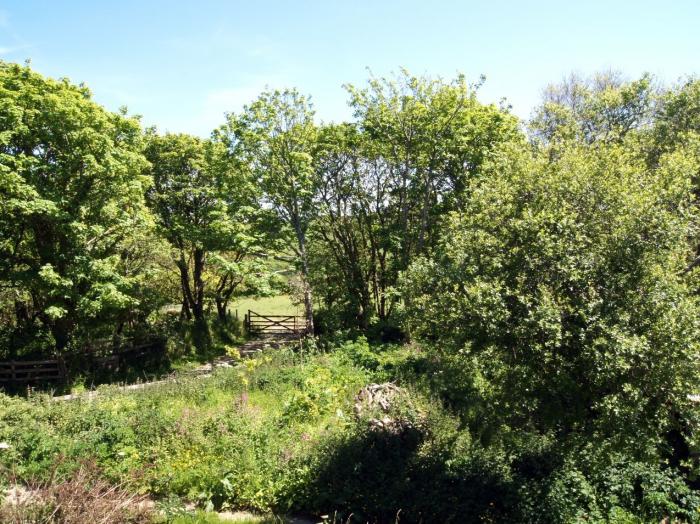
<point>564,286</point>
<point>84,497</point>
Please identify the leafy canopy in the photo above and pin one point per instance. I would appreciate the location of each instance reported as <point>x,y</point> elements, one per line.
<point>562,286</point>
<point>72,185</point>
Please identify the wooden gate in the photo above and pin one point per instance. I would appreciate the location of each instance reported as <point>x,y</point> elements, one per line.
<point>259,324</point>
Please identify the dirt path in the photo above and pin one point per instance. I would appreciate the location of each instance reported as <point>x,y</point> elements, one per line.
<point>248,349</point>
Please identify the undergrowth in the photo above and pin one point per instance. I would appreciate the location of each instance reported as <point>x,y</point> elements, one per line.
<point>286,433</point>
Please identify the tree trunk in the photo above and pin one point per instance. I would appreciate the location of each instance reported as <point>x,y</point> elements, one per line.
<point>61,329</point>
<point>198,282</point>
<point>224,291</point>
<point>308,299</point>
<point>186,311</point>
<point>221,307</point>
<point>308,306</point>
<point>192,290</point>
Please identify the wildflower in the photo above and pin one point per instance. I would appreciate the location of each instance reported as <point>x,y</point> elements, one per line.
<point>4,445</point>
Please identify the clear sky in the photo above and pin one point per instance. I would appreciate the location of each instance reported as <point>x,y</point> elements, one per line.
<point>183,64</point>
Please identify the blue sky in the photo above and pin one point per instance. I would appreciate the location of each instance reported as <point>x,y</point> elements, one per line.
<point>183,64</point>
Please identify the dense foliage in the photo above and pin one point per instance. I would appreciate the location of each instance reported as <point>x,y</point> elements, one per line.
<point>73,214</point>
<point>541,279</point>
<point>386,181</point>
<point>564,283</point>
<point>284,433</point>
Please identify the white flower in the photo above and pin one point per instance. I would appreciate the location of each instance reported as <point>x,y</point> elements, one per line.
<point>4,445</point>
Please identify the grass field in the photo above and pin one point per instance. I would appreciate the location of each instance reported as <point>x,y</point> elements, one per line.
<point>277,305</point>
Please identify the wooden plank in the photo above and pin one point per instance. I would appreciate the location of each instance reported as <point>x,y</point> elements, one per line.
<point>20,365</point>
<point>23,377</point>
<point>23,371</point>
<point>52,369</point>
<point>271,316</point>
<point>272,321</point>
<point>281,326</point>
<point>285,324</point>
<point>34,368</point>
<point>290,322</point>
<point>31,378</point>
<point>21,362</point>
<point>265,319</point>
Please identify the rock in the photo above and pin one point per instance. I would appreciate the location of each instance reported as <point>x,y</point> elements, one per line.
<point>386,407</point>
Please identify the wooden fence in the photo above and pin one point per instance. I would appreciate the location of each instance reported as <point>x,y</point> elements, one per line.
<point>32,371</point>
<point>101,355</point>
<point>258,324</point>
<point>96,357</point>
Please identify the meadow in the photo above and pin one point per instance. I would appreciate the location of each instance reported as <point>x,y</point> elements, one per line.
<point>289,433</point>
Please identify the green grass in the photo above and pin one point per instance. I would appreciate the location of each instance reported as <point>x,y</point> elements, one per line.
<point>202,517</point>
<point>277,305</point>
<point>242,437</point>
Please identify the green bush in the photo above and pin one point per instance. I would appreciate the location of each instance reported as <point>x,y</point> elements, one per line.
<point>288,432</point>
<point>558,305</point>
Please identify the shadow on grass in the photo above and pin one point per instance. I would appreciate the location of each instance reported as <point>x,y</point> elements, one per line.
<point>386,477</point>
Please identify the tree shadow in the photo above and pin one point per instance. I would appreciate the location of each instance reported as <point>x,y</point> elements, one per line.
<point>385,477</point>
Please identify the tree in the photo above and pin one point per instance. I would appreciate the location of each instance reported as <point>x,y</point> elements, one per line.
<point>71,186</point>
<point>677,120</point>
<point>603,108</point>
<point>277,136</point>
<point>204,204</point>
<point>345,251</point>
<point>677,129</point>
<point>245,268</point>
<point>386,182</point>
<point>561,286</point>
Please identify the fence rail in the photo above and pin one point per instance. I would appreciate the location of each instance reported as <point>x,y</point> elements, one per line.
<point>28,371</point>
<point>275,324</point>
<point>98,356</point>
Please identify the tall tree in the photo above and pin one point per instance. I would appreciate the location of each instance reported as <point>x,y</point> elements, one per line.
<point>677,119</point>
<point>348,255</point>
<point>202,199</point>
<point>561,287</point>
<point>71,187</point>
<point>677,129</point>
<point>602,108</point>
<point>385,183</point>
<point>277,135</point>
